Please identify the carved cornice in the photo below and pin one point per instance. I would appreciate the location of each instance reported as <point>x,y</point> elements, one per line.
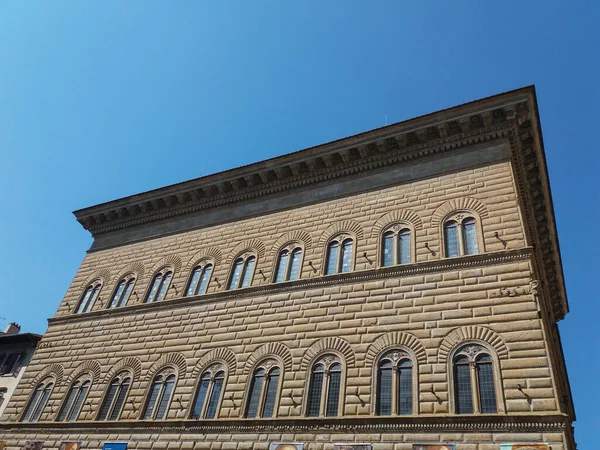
<point>369,424</point>
<point>459,263</point>
<point>511,116</point>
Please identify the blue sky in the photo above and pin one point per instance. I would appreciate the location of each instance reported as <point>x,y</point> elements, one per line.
<point>99,100</point>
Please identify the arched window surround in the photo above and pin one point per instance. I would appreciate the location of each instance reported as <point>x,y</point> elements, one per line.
<point>396,228</point>
<point>340,238</point>
<point>203,264</point>
<point>327,358</point>
<point>114,409</point>
<point>86,302</point>
<point>38,400</point>
<point>290,247</point>
<point>498,384</point>
<point>73,407</point>
<point>162,290</point>
<point>247,270</point>
<point>214,368</point>
<point>395,354</point>
<point>166,372</point>
<point>125,294</point>
<point>459,216</point>
<point>268,364</point>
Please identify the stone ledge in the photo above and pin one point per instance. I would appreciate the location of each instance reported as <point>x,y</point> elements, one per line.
<point>473,423</point>
<point>465,262</point>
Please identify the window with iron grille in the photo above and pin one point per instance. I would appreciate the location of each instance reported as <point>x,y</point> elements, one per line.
<point>208,393</point>
<point>160,285</point>
<point>340,255</point>
<point>123,291</point>
<point>38,401</point>
<point>89,297</point>
<point>288,263</point>
<point>199,279</point>
<point>242,271</point>
<point>324,388</point>
<point>159,397</point>
<point>115,397</point>
<point>460,235</point>
<point>264,391</point>
<point>74,400</point>
<point>396,245</point>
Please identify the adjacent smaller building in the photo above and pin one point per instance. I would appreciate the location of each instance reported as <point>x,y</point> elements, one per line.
<point>16,350</point>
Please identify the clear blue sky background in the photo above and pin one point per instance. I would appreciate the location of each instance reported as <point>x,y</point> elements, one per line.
<point>99,100</point>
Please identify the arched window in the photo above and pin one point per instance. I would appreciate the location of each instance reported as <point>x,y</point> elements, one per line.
<point>396,248</point>
<point>38,401</point>
<point>74,401</point>
<point>242,272</point>
<point>460,235</point>
<point>210,387</point>
<point>474,385</point>
<point>122,292</point>
<point>264,389</point>
<point>159,397</point>
<point>160,285</point>
<point>199,279</point>
<point>115,397</point>
<point>89,297</point>
<point>339,255</point>
<point>395,383</point>
<point>325,386</point>
<point>288,264</point>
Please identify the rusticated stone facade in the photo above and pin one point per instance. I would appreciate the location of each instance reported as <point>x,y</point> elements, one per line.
<point>482,160</point>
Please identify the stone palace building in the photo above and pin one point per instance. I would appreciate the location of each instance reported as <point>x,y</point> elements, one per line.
<point>394,290</point>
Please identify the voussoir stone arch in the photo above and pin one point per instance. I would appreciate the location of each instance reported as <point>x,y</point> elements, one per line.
<point>471,333</point>
<point>397,339</point>
<point>135,267</point>
<point>339,227</point>
<point>250,245</point>
<point>92,367</point>
<point>218,354</point>
<point>131,364</point>
<point>173,359</point>
<point>291,236</point>
<point>401,215</point>
<point>53,370</point>
<point>173,261</point>
<point>101,274</point>
<point>272,349</point>
<point>212,253</point>
<point>458,204</point>
<point>328,344</point>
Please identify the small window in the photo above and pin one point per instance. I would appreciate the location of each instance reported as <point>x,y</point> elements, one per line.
<point>324,388</point>
<point>396,248</point>
<point>122,292</point>
<point>339,255</point>
<point>199,279</point>
<point>474,386</point>
<point>159,398</point>
<point>160,286</point>
<point>208,394</point>
<point>89,298</point>
<point>115,397</point>
<point>38,401</point>
<point>242,272</point>
<point>460,236</point>
<point>288,264</point>
<point>263,393</point>
<point>74,401</point>
<point>11,363</point>
<point>394,384</point>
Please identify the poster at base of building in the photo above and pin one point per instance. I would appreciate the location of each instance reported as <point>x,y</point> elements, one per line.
<point>286,446</point>
<point>524,447</point>
<point>114,446</point>
<point>352,446</point>
<point>70,445</point>
<point>33,445</point>
<point>433,447</point>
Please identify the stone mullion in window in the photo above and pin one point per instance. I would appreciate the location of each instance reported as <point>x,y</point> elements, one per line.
<point>89,298</point>
<point>160,286</point>
<point>460,236</point>
<point>199,280</point>
<point>474,382</point>
<point>294,271</point>
<point>38,402</point>
<point>255,394</point>
<point>340,254</point>
<point>73,392</point>
<point>395,384</point>
<point>248,271</point>
<point>122,293</point>
<point>115,398</point>
<point>75,398</point>
<point>242,272</point>
<point>288,264</point>
<point>271,393</point>
<point>81,395</point>
<point>165,398</point>
<point>160,397</point>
